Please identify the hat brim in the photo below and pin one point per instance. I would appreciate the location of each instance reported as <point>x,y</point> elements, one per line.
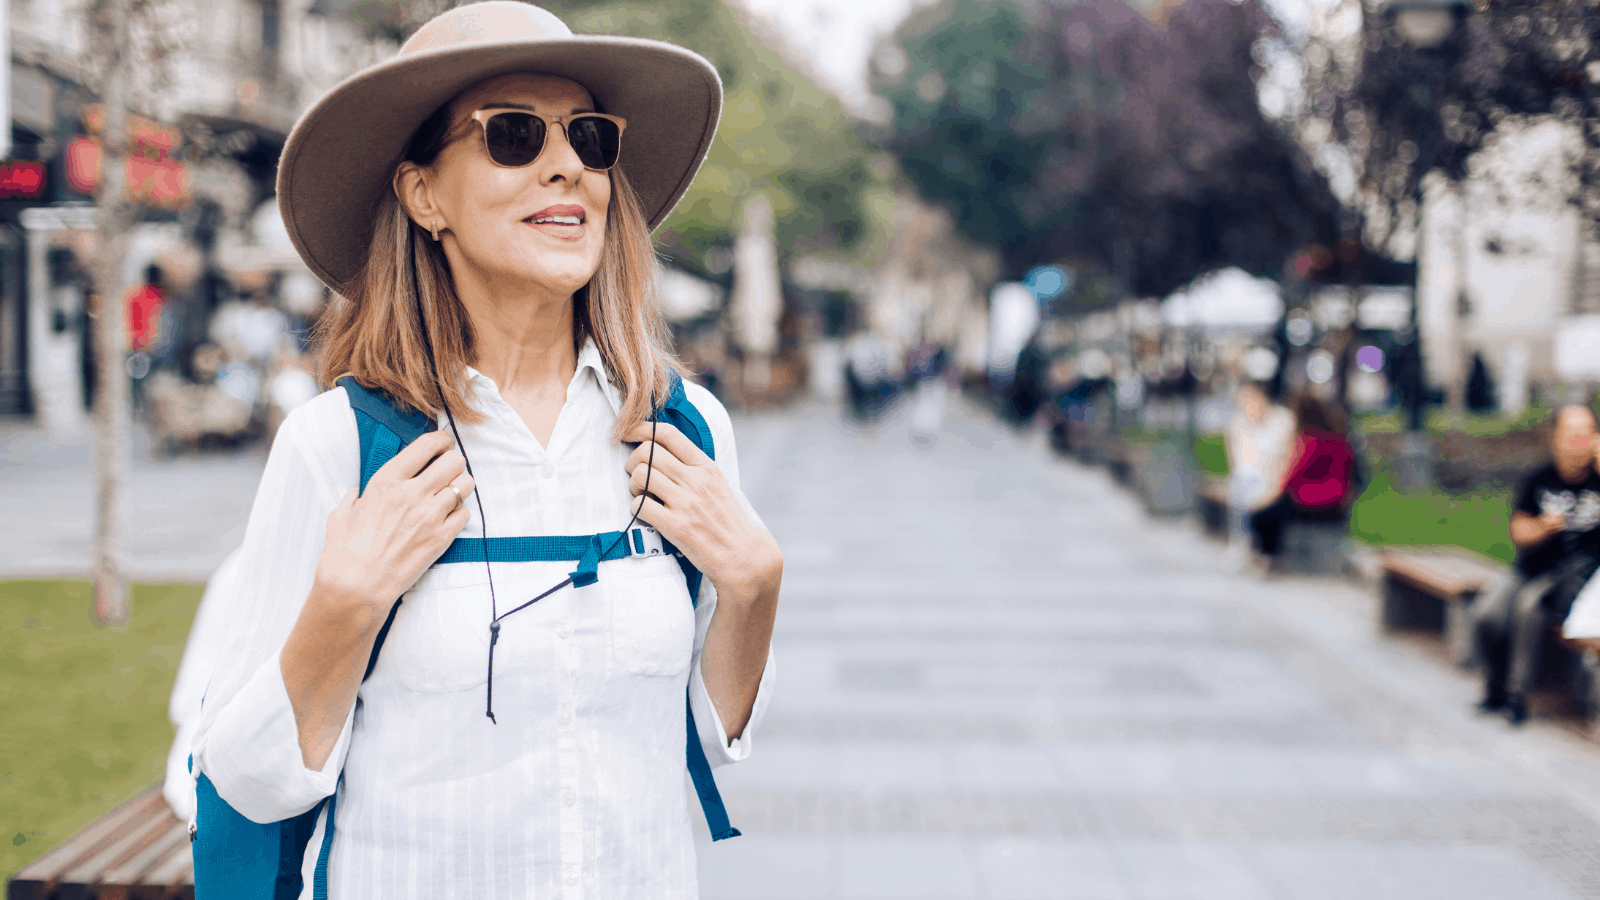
<point>340,159</point>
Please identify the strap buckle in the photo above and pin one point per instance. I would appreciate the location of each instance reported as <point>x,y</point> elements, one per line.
<point>645,541</point>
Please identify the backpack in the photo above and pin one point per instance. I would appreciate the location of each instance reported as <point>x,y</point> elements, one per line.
<point>237,859</point>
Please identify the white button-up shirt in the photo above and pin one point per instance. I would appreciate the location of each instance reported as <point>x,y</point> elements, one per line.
<point>580,790</point>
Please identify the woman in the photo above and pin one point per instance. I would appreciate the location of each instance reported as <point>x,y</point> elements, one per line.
<point>473,179</point>
<point>1259,439</point>
<point>1319,483</point>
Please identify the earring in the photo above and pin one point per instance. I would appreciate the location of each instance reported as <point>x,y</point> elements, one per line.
<point>435,226</point>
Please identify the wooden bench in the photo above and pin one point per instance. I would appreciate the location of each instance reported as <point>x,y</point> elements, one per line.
<point>1211,506</point>
<point>1432,588</point>
<point>138,851</point>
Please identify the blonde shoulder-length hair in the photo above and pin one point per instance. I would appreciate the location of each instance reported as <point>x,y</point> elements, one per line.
<point>373,331</point>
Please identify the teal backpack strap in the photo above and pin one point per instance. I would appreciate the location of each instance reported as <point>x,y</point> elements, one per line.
<point>681,414</point>
<point>384,427</point>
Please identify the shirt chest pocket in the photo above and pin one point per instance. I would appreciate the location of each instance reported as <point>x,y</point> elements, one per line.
<point>652,619</point>
<point>440,636</point>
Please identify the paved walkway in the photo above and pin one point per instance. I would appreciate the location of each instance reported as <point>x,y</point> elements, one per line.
<point>181,515</point>
<point>999,680</point>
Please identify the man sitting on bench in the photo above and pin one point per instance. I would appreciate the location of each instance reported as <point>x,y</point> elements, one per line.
<point>1554,526</point>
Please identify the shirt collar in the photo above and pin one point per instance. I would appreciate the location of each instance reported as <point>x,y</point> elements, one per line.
<point>588,358</point>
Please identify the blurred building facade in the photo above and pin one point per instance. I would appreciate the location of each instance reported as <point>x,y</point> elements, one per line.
<point>1505,274</point>
<point>208,117</point>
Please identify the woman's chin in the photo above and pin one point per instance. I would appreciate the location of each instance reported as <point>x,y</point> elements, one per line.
<point>540,278</point>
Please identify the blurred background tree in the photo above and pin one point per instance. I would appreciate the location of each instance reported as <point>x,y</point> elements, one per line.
<point>1090,134</point>
<point>779,134</point>
<point>1409,102</point>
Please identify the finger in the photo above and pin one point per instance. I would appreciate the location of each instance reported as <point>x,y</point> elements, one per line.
<point>414,456</point>
<point>652,513</point>
<point>442,471</point>
<point>660,485</point>
<point>455,493</point>
<point>652,455</point>
<point>670,437</point>
<point>456,519</point>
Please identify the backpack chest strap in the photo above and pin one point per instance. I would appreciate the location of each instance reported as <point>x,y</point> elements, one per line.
<point>588,550</point>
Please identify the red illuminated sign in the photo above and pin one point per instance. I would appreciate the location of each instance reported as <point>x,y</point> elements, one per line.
<point>23,178</point>
<point>154,177</point>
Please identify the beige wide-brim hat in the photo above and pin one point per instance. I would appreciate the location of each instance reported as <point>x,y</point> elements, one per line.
<point>341,157</point>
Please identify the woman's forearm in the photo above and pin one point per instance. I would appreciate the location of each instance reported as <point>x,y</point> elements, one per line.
<point>322,662</point>
<point>735,652</point>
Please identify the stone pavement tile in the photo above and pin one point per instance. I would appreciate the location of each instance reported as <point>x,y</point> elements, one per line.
<point>1473,873</point>
<point>1384,774</point>
<point>1005,766</point>
<point>1336,870</point>
<point>844,765</point>
<point>767,867</point>
<point>887,868</point>
<point>1192,871</point>
<point>1029,869</point>
<point>1333,870</point>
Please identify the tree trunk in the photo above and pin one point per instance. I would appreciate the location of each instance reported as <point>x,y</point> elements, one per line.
<point>115,215</point>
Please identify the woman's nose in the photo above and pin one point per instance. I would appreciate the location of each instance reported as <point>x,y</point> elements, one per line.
<point>560,159</point>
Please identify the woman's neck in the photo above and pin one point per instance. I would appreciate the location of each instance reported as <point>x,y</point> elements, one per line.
<point>523,340</point>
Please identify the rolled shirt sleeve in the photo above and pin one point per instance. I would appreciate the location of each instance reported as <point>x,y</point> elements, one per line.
<point>248,742</point>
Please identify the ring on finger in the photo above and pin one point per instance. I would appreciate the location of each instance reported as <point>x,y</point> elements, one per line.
<point>457,491</point>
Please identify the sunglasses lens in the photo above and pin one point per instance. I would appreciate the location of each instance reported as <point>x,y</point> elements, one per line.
<point>597,141</point>
<point>514,138</point>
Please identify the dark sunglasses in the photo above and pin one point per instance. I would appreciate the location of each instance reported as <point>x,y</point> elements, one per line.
<point>515,138</point>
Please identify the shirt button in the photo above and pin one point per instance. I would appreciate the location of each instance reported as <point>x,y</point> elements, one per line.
<point>565,631</point>
<point>566,717</point>
<point>569,798</point>
<point>572,878</point>
<point>547,470</point>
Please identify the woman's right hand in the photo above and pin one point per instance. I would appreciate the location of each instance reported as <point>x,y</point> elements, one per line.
<point>381,541</point>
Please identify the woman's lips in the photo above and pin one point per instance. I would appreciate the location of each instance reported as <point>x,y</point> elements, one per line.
<point>564,220</point>
<point>566,232</point>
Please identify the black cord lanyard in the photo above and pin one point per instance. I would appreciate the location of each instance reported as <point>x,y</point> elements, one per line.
<point>477,496</point>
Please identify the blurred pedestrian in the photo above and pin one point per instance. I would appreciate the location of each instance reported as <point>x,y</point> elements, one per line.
<point>868,374</point>
<point>1319,484</point>
<point>1258,439</point>
<point>490,234</point>
<point>1026,391</point>
<point>930,393</point>
<point>1555,525</point>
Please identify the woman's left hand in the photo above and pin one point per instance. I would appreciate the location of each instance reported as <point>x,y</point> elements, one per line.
<point>694,507</point>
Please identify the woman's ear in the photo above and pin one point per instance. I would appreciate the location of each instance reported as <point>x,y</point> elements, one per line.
<point>416,196</point>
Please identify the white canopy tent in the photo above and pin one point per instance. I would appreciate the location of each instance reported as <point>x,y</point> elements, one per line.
<point>1226,298</point>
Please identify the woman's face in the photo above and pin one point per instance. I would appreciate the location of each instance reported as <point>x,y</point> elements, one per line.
<point>495,221</point>
<point>1253,403</point>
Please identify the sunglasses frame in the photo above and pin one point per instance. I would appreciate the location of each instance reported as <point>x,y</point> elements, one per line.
<point>483,116</point>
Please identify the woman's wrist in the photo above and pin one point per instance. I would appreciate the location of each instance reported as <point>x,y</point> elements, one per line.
<point>346,606</point>
<point>756,585</point>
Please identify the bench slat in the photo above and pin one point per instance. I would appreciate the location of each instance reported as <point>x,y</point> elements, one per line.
<point>93,869</point>
<point>173,839</point>
<point>48,868</point>
<point>176,872</point>
<point>1451,574</point>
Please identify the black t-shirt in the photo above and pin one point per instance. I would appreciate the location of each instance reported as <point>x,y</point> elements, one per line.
<point>1544,491</point>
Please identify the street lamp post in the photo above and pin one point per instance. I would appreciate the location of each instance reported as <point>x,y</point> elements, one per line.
<point>1426,26</point>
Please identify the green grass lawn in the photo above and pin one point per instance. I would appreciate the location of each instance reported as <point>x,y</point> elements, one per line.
<point>84,708</point>
<point>1479,521</point>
